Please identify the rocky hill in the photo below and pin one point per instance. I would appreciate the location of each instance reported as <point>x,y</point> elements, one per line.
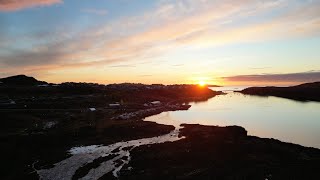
<point>21,80</point>
<point>302,92</point>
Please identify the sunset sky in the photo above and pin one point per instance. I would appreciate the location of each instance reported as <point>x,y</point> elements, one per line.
<point>239,42</point>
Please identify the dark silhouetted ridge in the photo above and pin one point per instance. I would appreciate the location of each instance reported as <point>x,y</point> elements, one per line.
<point>302,92</point>
<point>21,80</point>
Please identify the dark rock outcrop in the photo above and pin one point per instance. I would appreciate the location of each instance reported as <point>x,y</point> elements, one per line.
<point>303,92</point>
<point>212,152</point>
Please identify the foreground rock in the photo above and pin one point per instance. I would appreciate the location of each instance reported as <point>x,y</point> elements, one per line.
<point>25,153</point>
<point>222,153</point>
<point>93,162</point>
<point>303,92</point>
<point>145,150</point>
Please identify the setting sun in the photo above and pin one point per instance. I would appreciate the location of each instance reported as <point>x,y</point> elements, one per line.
<point>202,83</point>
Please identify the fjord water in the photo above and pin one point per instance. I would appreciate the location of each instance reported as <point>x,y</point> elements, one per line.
<point>267,117</point>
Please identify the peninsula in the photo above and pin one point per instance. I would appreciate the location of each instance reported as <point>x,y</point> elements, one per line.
<point>303,92</point>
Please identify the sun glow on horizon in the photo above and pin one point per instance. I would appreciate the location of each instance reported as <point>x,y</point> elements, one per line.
<point>202,83</point>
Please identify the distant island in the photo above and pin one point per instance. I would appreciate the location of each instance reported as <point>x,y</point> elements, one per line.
<point>303,92</point>
<point>212,85</point>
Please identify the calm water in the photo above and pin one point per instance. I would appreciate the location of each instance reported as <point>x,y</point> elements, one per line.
<point>270,117</point>
<point>229,88</point>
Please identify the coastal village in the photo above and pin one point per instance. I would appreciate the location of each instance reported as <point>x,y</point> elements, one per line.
<point>52,106</point>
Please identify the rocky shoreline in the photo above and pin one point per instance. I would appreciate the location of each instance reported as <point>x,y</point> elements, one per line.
<point>211,152</point>
<point>51,125</point>
<point>197,152</point>
<point>151,111</point>
<point>206,152</point>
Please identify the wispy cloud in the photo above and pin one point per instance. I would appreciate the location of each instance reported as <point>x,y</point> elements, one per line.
<point>177,65</point>
<point>95,11</point>
<point>145,75</point>
<point>122,65</point>
<point>259,68</point>
<point>14,5</point>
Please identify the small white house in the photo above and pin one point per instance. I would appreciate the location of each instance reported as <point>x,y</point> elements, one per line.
<point>92,109</point>
<point>114,105</point>
<point>43,85</point>
<point>155,103</point>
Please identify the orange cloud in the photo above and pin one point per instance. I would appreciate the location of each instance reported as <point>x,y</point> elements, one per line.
<point>14,5</point>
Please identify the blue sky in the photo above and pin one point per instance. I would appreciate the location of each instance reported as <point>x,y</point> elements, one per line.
<point>181,41</point>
